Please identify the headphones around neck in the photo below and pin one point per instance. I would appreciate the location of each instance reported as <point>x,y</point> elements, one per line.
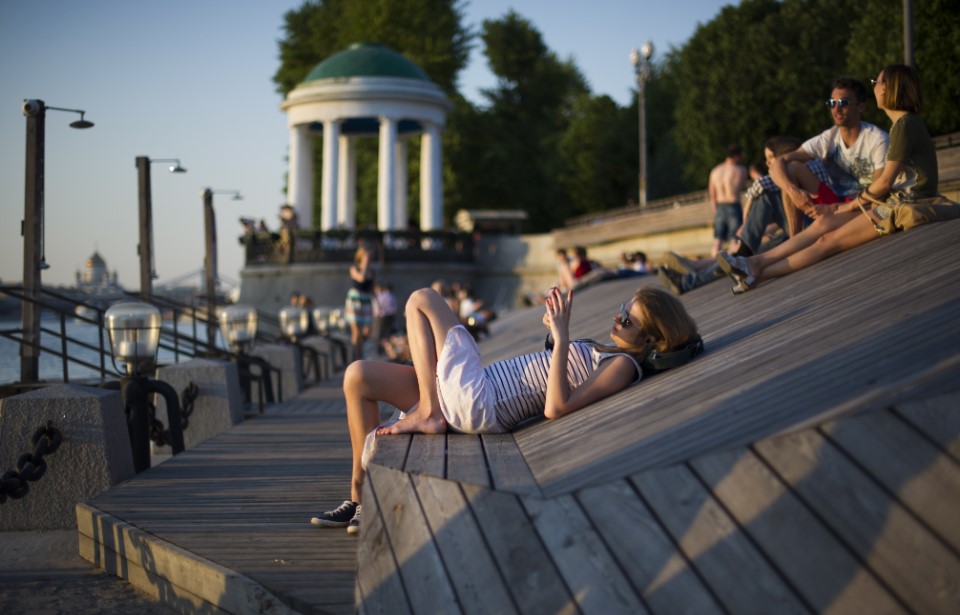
<point>657,361</point>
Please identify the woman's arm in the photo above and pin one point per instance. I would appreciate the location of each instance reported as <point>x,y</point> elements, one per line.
<point>360,273</point>
<point>880,187</point>
<point>613,375</point>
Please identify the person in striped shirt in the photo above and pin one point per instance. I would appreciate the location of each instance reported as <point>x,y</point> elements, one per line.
<point>448,388</point>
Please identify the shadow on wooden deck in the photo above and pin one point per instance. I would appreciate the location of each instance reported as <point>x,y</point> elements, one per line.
<point>808,461</point>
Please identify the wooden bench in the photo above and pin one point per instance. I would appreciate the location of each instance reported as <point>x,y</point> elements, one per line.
<point>810,460</point>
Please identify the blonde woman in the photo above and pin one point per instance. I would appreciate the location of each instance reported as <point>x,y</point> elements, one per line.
<point>358,310</point>
<point>448,388</point>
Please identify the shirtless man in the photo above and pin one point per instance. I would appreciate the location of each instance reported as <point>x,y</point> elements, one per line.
<point>727,180</point>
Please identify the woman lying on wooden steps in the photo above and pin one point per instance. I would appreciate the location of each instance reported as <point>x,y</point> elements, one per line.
<point>448,388</point>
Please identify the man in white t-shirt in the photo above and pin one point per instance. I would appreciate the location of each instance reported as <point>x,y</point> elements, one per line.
<point>852,151</point>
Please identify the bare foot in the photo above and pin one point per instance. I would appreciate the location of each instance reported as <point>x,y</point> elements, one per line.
<point>418,422</point>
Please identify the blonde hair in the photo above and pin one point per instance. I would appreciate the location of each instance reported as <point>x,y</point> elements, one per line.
<point>664,325</point>
<point>359,254</point>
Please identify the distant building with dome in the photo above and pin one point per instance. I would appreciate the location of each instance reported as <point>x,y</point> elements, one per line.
<point>96,278</point>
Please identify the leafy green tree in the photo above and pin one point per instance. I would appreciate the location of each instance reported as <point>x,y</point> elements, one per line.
<point>876,40</point>
<point>312,35</point>
<point>517,145</point>
<point>758,69</point>
<point>599,160</point>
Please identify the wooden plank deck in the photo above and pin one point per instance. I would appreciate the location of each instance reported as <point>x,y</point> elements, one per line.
<point>809,461</point>
<point>242,501</point>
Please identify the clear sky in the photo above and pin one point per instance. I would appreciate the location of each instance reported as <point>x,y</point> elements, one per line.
<point>192,79</point>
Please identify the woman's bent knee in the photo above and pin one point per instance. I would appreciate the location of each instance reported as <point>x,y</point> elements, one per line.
<point>357,374</point>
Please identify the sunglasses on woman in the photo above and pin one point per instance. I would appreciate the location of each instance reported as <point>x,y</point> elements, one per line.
<point>623,317</point>
<point>838,102</point>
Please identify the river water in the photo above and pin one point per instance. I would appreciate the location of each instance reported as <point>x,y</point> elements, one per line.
<point>51,367</point>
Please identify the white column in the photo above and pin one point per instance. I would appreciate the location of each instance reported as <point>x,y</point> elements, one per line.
<point>431,176</point>
<point>347,185</point>
<point>386,184</point>
<point>300,174</point>
<point>328,196</point>
<point>402,172</point>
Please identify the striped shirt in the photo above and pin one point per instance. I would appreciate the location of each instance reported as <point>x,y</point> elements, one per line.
<point>521,382</point>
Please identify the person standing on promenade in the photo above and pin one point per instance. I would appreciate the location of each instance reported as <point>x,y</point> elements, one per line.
<point>358,310</point>
<point>386,313</point>
<point>727,180</point>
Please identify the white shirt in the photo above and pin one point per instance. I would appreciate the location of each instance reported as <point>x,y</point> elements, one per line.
<point>850,169</point>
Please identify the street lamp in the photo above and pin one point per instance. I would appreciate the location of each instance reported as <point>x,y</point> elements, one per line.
<point>238,325</point>
<point>641,66</point>
<point>294,322</point>
<point>210,258</point>
<point>134,331</point>
<point>145,248</point>
<point>34,257</point>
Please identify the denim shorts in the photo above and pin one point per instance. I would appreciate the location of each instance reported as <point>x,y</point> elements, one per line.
<point>727,220</point>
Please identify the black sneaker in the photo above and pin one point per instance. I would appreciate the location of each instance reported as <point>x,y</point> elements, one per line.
<point>337,518</point>
<point>354,526</point>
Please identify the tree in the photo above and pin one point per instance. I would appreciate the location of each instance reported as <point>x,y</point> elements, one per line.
<point>529,109</point>
<point>312,35</point>
<point>876,40</point>
<point>598,160</point>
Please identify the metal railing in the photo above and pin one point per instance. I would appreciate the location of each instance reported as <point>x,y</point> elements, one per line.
<point>307,246</point>
<point>180,344</point>
<point>54,302</point>
<point>673,202</point>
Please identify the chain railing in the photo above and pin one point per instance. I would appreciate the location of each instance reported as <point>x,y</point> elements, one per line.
<point>30,466</point>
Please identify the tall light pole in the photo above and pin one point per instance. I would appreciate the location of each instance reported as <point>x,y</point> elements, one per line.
<point>145,247</point>
<point>210,258</point>
<point>34,256</point>
<point>908,34</point>
<point>641,66</point>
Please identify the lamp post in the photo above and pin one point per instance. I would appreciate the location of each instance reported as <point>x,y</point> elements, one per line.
<point>238,325</point>
<point>210,258</point>
<point>134,330</point>
<point>145,247</point>
<point>641,66</point>
<point>34,257</point>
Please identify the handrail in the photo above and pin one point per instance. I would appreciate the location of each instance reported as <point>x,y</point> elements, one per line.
<point>338,246</point>
<point>16,334</point>
<point>674,202</point>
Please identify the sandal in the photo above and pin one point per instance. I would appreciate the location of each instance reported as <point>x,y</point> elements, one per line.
<point>736,267</point>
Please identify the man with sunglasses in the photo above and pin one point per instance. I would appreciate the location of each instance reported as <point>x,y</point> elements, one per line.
<point>853,152</point>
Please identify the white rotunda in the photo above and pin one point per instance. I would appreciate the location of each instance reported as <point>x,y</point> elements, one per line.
<point>365,90</point>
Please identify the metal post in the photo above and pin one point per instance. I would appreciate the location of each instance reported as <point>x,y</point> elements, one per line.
<point>145,247</point>
<point>210,265</point>
<point>640,58</point>
<point>32,231</point>
<point>908,33</point>
<point>641,104</point>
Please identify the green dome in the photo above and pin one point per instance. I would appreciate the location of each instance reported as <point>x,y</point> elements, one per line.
<point>366,60</point>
